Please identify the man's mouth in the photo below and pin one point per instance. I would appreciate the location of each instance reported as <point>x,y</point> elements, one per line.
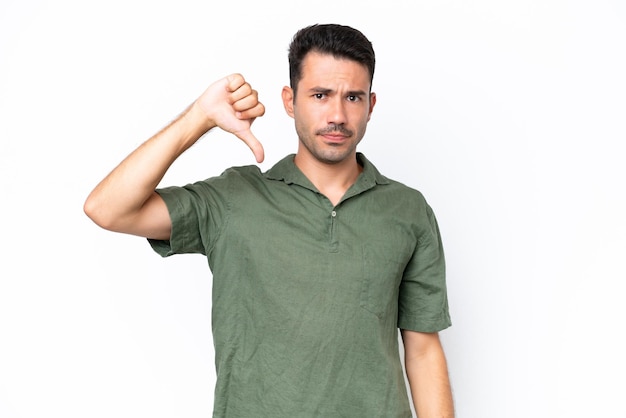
<point>335,133</point>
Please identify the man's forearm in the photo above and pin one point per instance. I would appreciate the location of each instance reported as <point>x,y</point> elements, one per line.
<point>125,190</point>
<point>427,373</point>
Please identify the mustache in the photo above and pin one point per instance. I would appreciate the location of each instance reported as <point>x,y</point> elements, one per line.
<point>332,128</point>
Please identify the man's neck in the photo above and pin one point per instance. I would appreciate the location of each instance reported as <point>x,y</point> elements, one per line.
<point>332,180</point>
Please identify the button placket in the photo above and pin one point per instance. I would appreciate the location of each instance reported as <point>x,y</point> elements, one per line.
<point>334,243</point>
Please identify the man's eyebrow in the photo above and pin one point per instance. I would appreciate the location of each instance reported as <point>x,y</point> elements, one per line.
<point>323,90</point>
<point>357,93</point>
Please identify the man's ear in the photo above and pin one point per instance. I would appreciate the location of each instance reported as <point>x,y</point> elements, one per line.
<point>287,95</point>
<point>372,104</point>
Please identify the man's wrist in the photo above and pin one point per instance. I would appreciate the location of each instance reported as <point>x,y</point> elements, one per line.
<point>197,119</point>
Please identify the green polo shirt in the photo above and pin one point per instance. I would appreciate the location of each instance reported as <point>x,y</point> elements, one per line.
<point>308,297</point>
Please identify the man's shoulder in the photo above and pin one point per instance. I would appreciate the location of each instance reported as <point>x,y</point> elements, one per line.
<point>279,170</point>
<point>242,170</point>
<point>394,188</point>
<point>402,189</point>
<point>238,174</point>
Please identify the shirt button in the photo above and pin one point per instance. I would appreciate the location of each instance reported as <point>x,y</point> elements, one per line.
<point>333,214</point>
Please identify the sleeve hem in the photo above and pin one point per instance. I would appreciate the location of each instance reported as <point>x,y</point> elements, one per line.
<point>421,325</point>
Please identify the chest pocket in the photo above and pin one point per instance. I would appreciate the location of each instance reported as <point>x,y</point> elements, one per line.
<point>383,268</point>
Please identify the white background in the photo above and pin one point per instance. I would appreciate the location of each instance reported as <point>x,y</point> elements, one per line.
<point>509,117</point>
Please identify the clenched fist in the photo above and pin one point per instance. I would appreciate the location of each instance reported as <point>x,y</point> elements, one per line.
<point>232,105</point>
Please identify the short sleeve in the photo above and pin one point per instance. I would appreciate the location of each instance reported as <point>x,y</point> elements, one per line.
<point>423,301</point>
<point>198,213</point>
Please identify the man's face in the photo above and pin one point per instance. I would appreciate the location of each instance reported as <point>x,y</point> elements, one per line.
<point>331,109</point>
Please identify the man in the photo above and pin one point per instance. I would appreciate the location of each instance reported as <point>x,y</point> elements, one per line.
<point>316,263</point>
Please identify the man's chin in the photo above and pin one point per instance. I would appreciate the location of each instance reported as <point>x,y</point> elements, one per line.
<point>333,158</point>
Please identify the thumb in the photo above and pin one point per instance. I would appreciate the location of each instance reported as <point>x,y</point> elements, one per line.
<point>254,144</point>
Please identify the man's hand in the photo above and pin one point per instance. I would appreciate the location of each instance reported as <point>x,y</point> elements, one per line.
<point>232,105</point>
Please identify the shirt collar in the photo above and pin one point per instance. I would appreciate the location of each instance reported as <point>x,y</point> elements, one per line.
<point>287,171</point>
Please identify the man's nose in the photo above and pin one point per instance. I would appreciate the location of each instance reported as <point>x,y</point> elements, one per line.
<point>337,111</point>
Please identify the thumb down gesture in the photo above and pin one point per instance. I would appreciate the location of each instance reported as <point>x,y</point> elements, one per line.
<point>232,105</point>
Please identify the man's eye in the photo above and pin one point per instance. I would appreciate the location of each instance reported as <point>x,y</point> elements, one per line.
<point>319,95</point>
<point>353,98</point>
